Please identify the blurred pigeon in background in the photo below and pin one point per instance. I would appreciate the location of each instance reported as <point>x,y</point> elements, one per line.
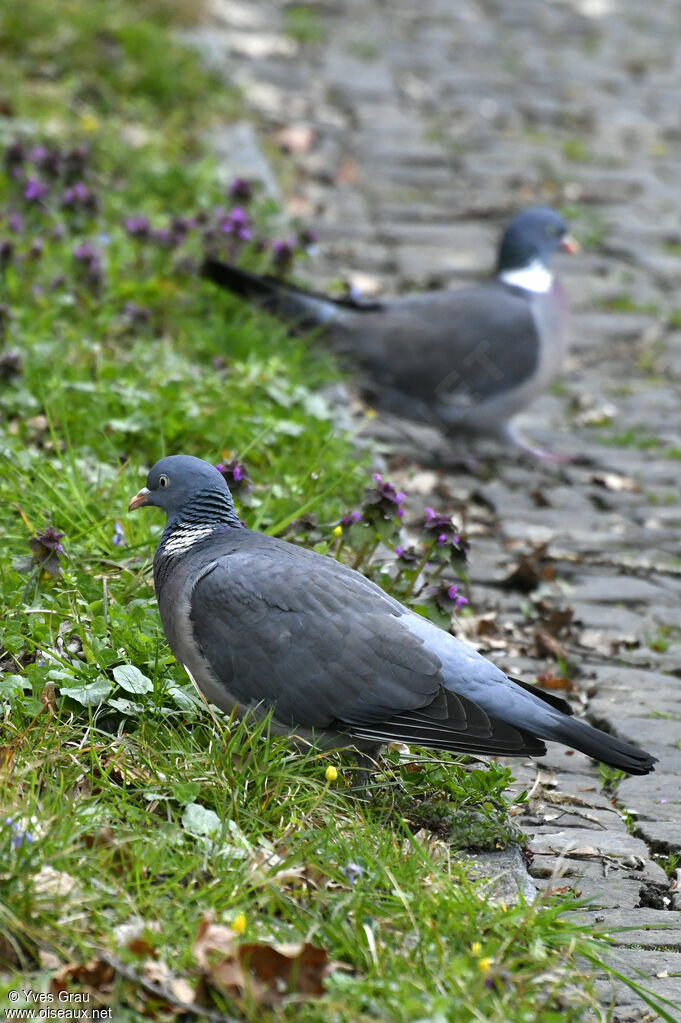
<point>261,624</point>
<point>464,360</point>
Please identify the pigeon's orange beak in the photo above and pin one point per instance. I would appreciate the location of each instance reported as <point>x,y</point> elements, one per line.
<point>139,499</point>
<point>569,244</point>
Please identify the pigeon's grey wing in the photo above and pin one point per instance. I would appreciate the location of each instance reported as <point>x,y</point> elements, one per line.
<point>456,348</point>
<point>326,648</point>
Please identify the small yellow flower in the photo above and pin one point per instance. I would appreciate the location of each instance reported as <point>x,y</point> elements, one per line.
<point>371,413</point>
<point>485,964</point>
<point>331,774</point>
<point>338,531</point>
<point>89,122</point>
<point>476,949</point>
<point>239,923</point>
<point>502,906</point>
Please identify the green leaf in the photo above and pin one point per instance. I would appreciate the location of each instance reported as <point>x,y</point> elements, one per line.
<point>131,679</point>
<point>90,695</point>
<point>13,685</point>
<point>186,791</point>
<point>199,821</point>
<point>185,697</point>
<point>126,706</point>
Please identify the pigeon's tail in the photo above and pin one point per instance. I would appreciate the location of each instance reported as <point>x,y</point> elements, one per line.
<point>600,745</point>
<point>303,309</point>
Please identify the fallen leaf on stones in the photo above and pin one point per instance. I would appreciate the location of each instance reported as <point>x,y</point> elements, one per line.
<point>548,646</point>
<point>561,889</point>
<point>555,619</point>
<point>296,138</point>
<point>547,680</point>
<point>530,571</point>
<point>347,173</point>
<point>540,499</point>
<point>613,481</point>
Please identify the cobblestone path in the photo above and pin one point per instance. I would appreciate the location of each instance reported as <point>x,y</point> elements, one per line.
<point>413,131</point>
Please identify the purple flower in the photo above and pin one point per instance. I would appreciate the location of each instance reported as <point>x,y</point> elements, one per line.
<point>348,520</point>
<point>453,594</point>
<point>408,556</point>
<point>36,249</point>
<point>46,159</point>
<point>47,549</point>
<point>383,502</point>
<point>37,154</point>
<point>282,254</point>
<point>118,538</point>
<point>235,474</point>
<point>237,225</point>
<point>15,222</point>
<point>353,872</point>
<point>85,252</point>
<point>240,189</point>
<point>166,238</point>
<point>35,190</point>
<point>307,239</point>
<point>19,836</point>
<point>79,196</point>
<point>89,265</point>
<point>137,314</point>
<point>181,226</point>
<point>138,227</point>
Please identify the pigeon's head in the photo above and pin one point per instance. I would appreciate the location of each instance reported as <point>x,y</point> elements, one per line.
<point>533,237</point>
<point>186,488</point>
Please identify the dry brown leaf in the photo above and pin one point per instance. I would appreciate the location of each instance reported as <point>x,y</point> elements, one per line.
<point>347,173</point>
<point>212,939</point>
<point>284,969</point>
<point>530,571</point>
<point>48,698</point>
<point>156,971</point>
<point>97,975</point>
<point>547,680</point>
<point>296,138</point>
<point>269,972</point>
<point>549,646</point>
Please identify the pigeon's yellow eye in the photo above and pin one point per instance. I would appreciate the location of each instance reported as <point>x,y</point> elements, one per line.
<point>163,480</point>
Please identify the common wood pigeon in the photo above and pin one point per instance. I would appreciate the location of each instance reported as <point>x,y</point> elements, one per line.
<point>263,625</point>
<point>464,360</point>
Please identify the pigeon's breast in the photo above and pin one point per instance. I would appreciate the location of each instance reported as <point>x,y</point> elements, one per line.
<point>551,317</point>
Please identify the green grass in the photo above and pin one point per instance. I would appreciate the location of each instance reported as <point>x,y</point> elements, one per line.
<point>125,801</point>
<point>304,24</point>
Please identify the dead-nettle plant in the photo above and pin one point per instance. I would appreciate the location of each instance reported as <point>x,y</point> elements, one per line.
<point>423,565</point>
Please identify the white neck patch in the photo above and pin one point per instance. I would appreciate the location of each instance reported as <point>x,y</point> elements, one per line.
<point>534,277</point>
<point>183,538</point>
